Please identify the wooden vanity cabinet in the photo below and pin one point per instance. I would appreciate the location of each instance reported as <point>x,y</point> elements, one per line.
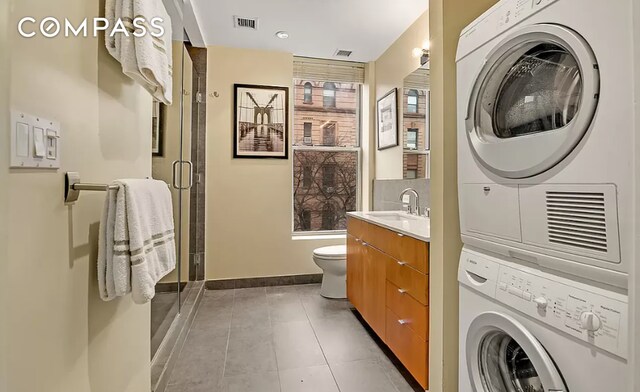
<point>388,283</point>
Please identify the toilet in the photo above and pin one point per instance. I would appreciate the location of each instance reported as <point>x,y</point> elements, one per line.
<point>333,261</point>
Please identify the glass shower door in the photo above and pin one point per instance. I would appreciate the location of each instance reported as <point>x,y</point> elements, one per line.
<point>172,126</point>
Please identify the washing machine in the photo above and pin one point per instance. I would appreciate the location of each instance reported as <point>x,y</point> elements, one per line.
<point>527,330</point>
<point>545,135</point>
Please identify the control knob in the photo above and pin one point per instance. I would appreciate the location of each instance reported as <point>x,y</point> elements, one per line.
<point>590,321</point>
<point>541,303</point>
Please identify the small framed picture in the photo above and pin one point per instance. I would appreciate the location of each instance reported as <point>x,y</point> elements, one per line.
<point>261,122</point>
<point>387,109</point>
<point>157,134</point>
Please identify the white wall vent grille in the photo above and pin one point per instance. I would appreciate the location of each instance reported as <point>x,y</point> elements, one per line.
<point>245,23</point>
<point>577,219</point>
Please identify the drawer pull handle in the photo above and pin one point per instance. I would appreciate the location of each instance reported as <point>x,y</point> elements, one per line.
<point>402,263</point>
<point>400,234</point>
<point>403,322</point>
<point>402,291</point>
<point>358,240</point>
<point>364,244</point>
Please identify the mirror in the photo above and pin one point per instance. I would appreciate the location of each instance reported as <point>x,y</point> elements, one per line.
<point>415,124</point>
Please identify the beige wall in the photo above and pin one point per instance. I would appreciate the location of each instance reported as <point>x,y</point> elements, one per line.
<point>62,337</point>
<point>4,174</point>
<point>391,68</point>
<point>447,19</point>
<point>249,202</point>
<point>634,284</point>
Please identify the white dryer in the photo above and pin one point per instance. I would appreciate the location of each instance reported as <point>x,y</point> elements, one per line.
<point>524,330</point>
<point>545,135</point>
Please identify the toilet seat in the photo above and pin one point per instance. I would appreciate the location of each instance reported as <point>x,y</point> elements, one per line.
<point>336,252</point>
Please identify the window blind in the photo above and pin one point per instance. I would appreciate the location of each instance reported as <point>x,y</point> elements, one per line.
<point>419,79</point>
<point>328,70</point>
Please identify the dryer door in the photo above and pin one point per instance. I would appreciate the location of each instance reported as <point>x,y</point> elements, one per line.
<point>533,101</point>
<point>502,356</point>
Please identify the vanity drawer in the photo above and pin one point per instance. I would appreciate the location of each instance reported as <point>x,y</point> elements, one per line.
<point>401,247</point>
<point>410,348</point>
<point>357,227</point>
<point>408,309</point>
<point>412,281</point>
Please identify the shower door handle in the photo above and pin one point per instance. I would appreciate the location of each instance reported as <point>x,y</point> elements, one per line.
<point>175,177</point>
<point>190,185</point>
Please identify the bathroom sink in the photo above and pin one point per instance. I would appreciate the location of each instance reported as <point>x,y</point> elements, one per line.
<point>401,222</point>
<point>394,216</point>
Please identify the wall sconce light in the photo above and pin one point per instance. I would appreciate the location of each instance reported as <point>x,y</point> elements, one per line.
<point>423,53</point>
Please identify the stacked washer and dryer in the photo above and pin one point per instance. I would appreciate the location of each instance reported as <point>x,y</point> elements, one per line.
<point>545,167</point>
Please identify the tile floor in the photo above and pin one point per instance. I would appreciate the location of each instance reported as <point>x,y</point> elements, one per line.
<point>281,339</point>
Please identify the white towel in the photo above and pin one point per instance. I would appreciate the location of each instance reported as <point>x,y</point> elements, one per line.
<point>137,242</point>
<point>148,60</point>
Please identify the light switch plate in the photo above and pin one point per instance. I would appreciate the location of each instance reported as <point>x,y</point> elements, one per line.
<point>28,150</point>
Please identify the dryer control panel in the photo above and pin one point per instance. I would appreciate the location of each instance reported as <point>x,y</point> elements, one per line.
<point>497,20</point>
<point>592,314</point>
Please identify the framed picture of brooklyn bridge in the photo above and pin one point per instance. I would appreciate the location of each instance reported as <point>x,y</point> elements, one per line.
<point>261,121</point>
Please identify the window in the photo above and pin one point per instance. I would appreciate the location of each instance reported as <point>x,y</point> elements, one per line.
<point>329,135</point>
<point>326,173</point>
<point>415,165</point>
<point>328,176</point>
<point>412,101</point>
<point>307,134</point>
<point>307,178</point>
<point>308,93</point>
<point>415,123</point>
<point>328,217</point>
<point>329,95</point>
<point>411,142</point>
<point>305,220</point>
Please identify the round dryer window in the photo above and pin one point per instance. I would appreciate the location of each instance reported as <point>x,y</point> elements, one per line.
<point>502,356</point>
<point>533,101</point>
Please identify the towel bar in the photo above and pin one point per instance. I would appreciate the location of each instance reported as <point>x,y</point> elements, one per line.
<point>73,186</point>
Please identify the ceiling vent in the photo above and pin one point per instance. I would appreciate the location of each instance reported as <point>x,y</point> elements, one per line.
<point>343,53</point>
<point>245,23</point>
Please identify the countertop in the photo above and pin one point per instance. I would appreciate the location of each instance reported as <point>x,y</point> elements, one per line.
<point>418,227</point>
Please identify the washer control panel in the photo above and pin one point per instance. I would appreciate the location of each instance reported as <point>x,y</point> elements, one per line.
<point>594,315</point>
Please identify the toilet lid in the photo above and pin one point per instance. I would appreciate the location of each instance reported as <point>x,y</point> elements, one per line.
<point>331,252</point>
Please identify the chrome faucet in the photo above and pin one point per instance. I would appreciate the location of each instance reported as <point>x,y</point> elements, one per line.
<point>415,209</point>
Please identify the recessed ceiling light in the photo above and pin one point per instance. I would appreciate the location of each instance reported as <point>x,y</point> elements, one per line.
<point>282,34</point>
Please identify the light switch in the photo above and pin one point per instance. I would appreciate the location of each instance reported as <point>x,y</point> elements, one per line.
<point>22,140</point>
<point>38,142</point>
<point>35,141</point>
<point>406,199</point>
<point>52,144</point>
